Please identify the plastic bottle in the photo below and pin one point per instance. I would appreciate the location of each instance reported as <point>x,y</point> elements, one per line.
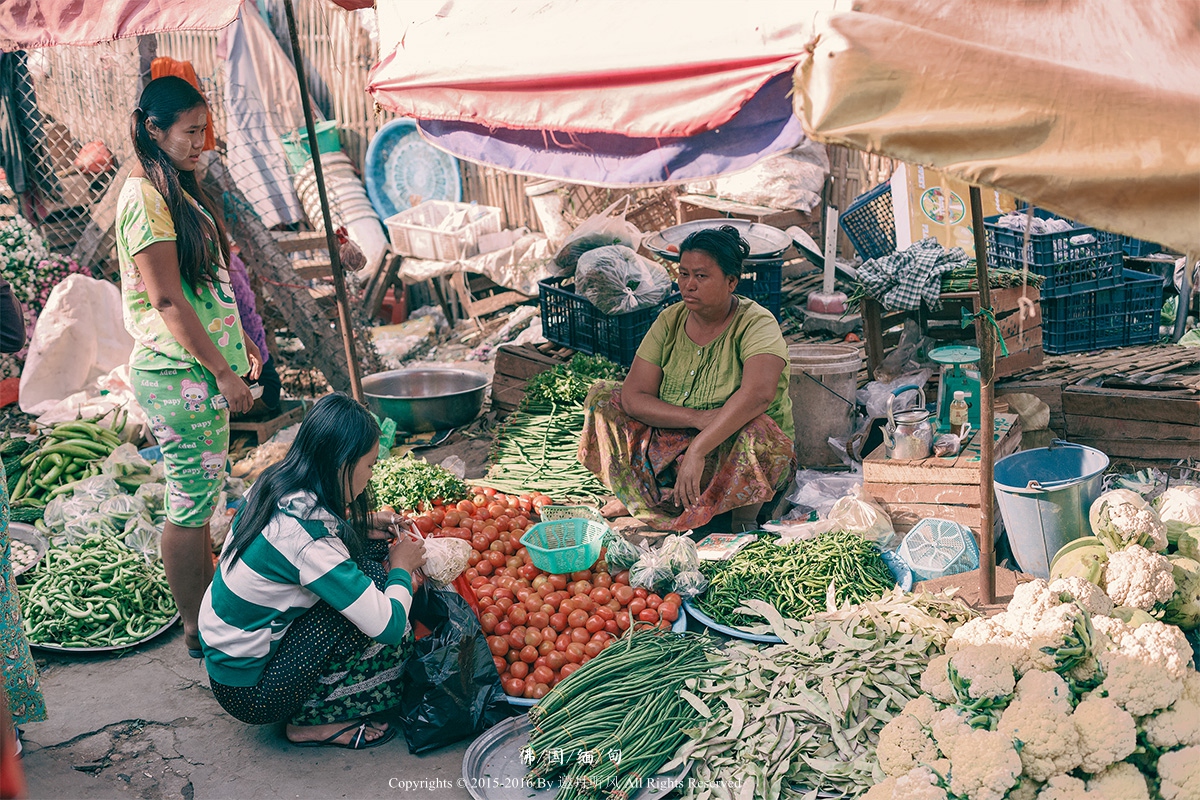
<point>958,413</point>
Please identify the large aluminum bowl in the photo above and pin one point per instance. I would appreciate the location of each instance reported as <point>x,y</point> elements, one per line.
<point>427,399</point>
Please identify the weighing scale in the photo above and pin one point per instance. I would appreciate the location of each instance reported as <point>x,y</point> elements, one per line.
<point>960,373</point>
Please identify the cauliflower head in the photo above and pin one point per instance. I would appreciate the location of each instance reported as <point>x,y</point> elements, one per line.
<point>948,726</point>
<point>1030,602</point>
<point>919,784</point>
<point>985,765</point>
<point>1178,725</point>
<point>1179,774</point>
<point>935,680</point>
<point>984,672</point>
<point>993,630</point>
<point>1064,787</point>
<point>921,708</point>
<point>903,745</point>
<point>1138,687</point>
<point>1048,687</point>
<point>1107,733</point>
<point>1138,578</point>
<point>1119,782</point>
<point>1048,741</point>
<point>1122,517</point>
<point>1088,595</point>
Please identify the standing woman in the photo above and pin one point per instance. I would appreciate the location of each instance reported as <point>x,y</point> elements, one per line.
<point>180,309</point>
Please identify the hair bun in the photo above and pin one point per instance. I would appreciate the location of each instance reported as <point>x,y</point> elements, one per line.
<point>733,233</point>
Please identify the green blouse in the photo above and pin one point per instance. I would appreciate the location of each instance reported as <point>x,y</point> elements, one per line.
<point>705,377</point>
<point>143,219</point>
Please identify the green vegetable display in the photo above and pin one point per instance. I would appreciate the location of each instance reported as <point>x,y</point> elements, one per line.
<point>408,483</point>
<point>71,452</point>
<point>97,593</point>
<point>626,709</point>
<point>538,452</point>
<point>794,578</point>
<point>787,720</point>
<point>568,384</point>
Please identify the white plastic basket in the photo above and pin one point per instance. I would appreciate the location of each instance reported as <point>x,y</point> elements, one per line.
<point>419,231</point>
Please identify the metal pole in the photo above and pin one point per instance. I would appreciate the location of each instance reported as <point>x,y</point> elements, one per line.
<point>335,263</point>
<point>985,337</point>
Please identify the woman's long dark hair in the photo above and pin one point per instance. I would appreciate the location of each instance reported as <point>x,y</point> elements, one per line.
<point>335,435</point>
<point>725,244</point>
<point>163,100</point>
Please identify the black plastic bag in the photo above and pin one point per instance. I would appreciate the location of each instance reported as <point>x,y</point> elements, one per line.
<point>451,688</point>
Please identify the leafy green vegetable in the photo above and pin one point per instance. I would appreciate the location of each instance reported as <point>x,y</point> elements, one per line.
<point>568,384</point>
<point>407,482</point>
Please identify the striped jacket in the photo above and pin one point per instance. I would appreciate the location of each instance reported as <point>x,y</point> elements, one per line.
<point>296,561</point>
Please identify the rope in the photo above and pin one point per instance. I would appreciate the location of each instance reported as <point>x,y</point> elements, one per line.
<point>989,316</point>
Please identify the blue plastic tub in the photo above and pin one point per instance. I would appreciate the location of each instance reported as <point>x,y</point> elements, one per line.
<point>1044,495</point>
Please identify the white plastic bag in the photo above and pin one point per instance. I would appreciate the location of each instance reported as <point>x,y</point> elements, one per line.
<point>616,280</point>
<point>445,559</point>
<point>605,228</point>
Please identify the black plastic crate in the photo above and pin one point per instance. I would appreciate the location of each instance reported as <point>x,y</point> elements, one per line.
<point>1136,248</point>
<point>572,321</point>
<point>1098,319</point>
<point>870,223</point>
<point>1068,266</point>
<point>762,282</point>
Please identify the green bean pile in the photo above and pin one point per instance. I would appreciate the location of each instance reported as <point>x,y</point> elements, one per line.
<point>794,578</point>
<point>71,452</point>
<point>538,452</point>
<point>624,712</point>
<point>97,593</point>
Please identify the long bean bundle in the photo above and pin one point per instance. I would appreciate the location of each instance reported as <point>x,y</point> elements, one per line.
<point>538,452</point>
<point>795,578</point>
<point>611,725</point>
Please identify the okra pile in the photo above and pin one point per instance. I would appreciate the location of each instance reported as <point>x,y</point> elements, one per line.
<point>97,593</point>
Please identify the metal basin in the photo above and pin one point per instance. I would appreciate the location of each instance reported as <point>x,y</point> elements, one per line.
<point>423,400</point>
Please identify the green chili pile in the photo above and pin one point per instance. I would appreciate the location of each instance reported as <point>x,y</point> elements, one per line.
<point>794,578</point>
<point>97,593</point>
<point>612,724</point>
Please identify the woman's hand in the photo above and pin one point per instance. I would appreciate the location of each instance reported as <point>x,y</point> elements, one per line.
<point>688,479</point>
<point>406,553</point>
<point>255,357</point>
<point>236,392</point>
<point>382,524</point>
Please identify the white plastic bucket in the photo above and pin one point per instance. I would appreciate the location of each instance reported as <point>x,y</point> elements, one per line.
<point>823,383</point>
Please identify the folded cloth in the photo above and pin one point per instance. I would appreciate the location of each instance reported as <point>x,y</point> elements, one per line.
<point>903,279</point>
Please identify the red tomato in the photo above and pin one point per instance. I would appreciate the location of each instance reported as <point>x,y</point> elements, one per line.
<point>519,669</point>
<point>484,588</point>
<point>567,606</point>
<point>516,638</point>
<point>529,689</point>
<point>504,591</point>
<point>575,653</point>
<point>499,663</point>
<point>602,580</point>
<point>592,649</point>
<point>517,615</point>
<point>577,618</point>
<point>438,515</point>
<point>636,606</point>
<point>512,656</point>
<point>671,597</point>
<point>529,572</point>
<point>479,498</point>
<point>533,602</point>
<point>605,613</point>
<point>487,491</point>
<point>545,648</point>
<point>668,611</point>
<point>600,595</point>
<point>540,690</point>
<point>480,542</point>
<point>556,660</point>
<point>594,624</point>
<point>466,507</point>
<point>484,567</point>
<point>514,687</point>
<point>473,558</point>
<point>648,615</point>
<point>543,674</point>
<point>539,619</point>
<point>503,627</point>
<point>505,603</point>
<point>451,519</point>
<point>503,524</point>
<point>581,587</point>
<point>562,642</point>
<point>496,559</point>
<point>559,622</point>
<point>653,601</point>
<point>488,622</point>
<point>529,654</point>
<point>640,592</point>
<point>481,515</point>
<point>496,509</point>
<point>581,575</point>
<point>623,620</point>
<point>424,524</point>
<point>542,500</point>
<point>613,605</point>
<point>567,669</point>
<point>623,594</point>
<point>612,627</point>
<point>533,637</point>
<point>580,635</point>
<point>498,645</point>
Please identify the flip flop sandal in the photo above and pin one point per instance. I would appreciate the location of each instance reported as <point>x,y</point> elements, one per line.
<point>195,652</point>
<point>357,742</point>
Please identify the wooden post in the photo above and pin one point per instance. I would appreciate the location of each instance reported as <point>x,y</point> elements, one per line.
<point>335,263</point>
<point>985,336</point>
<point>147,52</point>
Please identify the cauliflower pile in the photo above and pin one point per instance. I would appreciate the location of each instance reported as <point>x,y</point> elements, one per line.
<point>1143,561</point>
<point>1053,699</point>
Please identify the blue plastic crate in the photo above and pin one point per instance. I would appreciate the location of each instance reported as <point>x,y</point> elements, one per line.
<point>1143,304</point>
<point>1098,319</point>
<point>762,282</point>
<point>1136,248</point>
<point>1068,264</point>
<point>870,223</point>
<point>572,321</point>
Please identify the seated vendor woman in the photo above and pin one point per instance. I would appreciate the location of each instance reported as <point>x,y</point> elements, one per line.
<point>703,422</point>
<point>306,620</point>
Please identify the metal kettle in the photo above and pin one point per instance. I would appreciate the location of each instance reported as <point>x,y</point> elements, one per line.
<point>908,434</point>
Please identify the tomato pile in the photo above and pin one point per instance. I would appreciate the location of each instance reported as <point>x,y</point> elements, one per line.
<point>540,627</point>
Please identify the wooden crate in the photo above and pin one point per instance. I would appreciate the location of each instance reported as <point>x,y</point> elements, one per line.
<point>515,365</point>
<point>1134,424</point>
<point>944,488</point>
<point>290,412</point>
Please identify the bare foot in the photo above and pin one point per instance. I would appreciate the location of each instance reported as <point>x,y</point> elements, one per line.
<point>614,508</point>
<point>319,733</point>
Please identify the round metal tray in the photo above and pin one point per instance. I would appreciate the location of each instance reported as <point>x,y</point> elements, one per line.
<point>27,534</point>
<point>57,648</point>
<point>679,626</point>
<point>492,768</point>
<point>766,242</point>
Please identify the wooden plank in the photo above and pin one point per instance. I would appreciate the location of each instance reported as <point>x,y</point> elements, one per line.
<point>1173,407</point>
<point>872,334</point>
<point>961,469</point>
<point>906,515</point>
<point>1012,324</point>
<point>1147,449</point>
<point>1020,361</point>
<point>1049,392</point>
<point>523,361</point>
<point>957,495</point>
<point>291,412</point>
<point>1106,428</point>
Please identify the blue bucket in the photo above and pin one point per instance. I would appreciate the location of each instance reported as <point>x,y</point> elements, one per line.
<point>1044,495</point>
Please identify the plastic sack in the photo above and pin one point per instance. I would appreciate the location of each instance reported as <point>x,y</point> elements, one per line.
<point>127,467</point>
<point>652,572</point>
<point>874,396</point>
<point>76,530</point>
<point>818,491</point>
<point>121,508</point>
<point>859,513</point>
<point>65,508</point>
<point>445,559</point>
<point>451,688</point>
<point>680,553</point>
<point>616,280</point>
<point>235,487</point>
<point>52,515</point>
<point>605,228</point>
<point>690,584</point>
<point>154,495</point>
<point>621,554</point>
<point>142,536</point>
<point>98,488</point>
<point>947,444</point>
